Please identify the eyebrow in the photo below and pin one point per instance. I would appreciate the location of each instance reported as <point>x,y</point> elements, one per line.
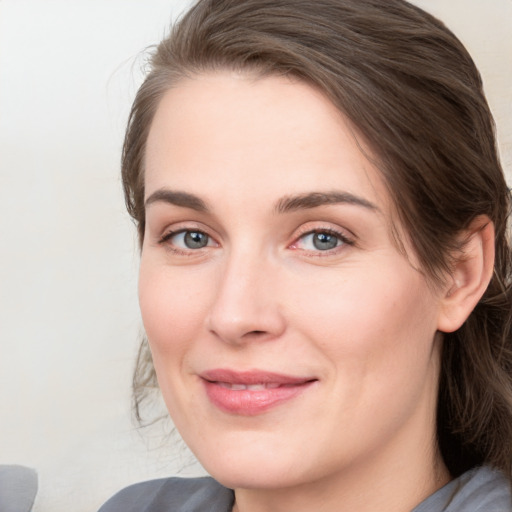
<point>316,199</point>
<point>177,198</point>
<point>286,204</point>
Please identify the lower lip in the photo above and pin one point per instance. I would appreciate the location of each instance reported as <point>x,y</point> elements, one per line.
<point>246,402</point>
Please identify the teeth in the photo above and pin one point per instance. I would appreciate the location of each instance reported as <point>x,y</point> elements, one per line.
<point>249,387</point>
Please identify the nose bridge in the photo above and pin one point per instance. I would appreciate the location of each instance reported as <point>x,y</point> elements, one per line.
<point>245,305</point>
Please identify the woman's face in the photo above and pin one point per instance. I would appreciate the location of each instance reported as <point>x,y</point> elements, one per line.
<point>292,341</point>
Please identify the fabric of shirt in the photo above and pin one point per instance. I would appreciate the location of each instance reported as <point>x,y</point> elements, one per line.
<point>479,490</point>
<point>18,488</point>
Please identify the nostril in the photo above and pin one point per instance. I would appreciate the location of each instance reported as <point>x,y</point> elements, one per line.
<point>255,333</point>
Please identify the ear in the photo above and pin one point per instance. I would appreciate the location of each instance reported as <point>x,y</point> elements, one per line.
<point>471,274</point>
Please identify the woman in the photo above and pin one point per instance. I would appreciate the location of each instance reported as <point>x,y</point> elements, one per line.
<point>325,273</point>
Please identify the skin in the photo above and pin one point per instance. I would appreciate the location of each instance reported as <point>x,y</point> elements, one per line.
<point>359,318</point>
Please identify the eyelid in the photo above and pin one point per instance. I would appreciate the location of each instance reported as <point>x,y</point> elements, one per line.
<point>165,231</point>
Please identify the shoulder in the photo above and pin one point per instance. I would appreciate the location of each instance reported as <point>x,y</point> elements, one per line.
<point>483,489</point>
<point>171,495</point>
<point>479,490</point>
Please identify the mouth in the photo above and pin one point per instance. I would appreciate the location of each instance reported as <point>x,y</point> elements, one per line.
<point>251,393</point>
<point>250,387</point>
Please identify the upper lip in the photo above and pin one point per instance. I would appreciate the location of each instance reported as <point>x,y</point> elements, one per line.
<point>252,377</point>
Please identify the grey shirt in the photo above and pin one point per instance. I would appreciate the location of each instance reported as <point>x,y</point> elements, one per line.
<point>18,488</point>
<point>479,490</point>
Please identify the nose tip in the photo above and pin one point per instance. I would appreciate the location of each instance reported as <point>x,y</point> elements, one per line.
<point>246,307</point>
<point>247,324</point>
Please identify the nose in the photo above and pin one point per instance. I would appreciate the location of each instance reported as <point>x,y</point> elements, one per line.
<point>246,306</point>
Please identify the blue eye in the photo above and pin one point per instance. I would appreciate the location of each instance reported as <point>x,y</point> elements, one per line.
<point>188,239</point>
<point>320,241</point>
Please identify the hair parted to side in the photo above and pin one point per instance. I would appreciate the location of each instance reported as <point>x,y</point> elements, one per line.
<point>413,93</point>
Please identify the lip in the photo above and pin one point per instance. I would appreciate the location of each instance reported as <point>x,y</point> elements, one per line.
<point>252,392</point>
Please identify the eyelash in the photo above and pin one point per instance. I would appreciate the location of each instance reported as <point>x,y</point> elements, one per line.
<point>342,240</point>
<point>164,240</point>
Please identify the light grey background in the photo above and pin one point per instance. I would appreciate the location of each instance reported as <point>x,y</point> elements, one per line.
<point>69,320</point>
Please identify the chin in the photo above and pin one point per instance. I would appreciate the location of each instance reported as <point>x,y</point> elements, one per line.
<point>252,460</point>
<point>255,475</point>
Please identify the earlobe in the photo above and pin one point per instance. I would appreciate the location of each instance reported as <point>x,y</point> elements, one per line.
<point>472,272</point>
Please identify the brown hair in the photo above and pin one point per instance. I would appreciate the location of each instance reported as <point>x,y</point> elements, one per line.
<point>411,89</point>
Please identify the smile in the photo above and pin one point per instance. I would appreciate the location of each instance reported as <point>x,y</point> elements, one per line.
<point>251,393</point>
<point>250,387</point>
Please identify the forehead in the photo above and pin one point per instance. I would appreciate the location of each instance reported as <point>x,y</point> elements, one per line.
<point>229,131</point>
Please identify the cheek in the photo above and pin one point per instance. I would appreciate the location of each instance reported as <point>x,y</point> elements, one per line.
<point>370,318</point>
<point>172,306</point>
<point>377,337</point>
